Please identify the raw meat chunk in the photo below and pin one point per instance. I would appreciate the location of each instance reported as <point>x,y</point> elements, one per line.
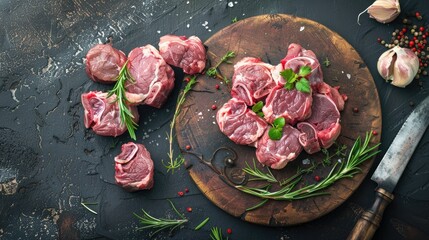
<point>186,53</point>
<point>308,137</point>
<point>240,124</point>
<point>276,154</point>
<point>102,114</point>
<point>103,63</point>
<point>153,78</point>
<point>293,105</point>
<point>134,168</point>
<point>252,80</point>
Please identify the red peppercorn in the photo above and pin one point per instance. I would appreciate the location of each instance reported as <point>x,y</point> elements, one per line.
<point>411,43</point>
<point>378,39</point>
<point>417,14</point>
<point>214,107</point>
<point>229,230</point>
<point>189,209</point>
<point>186,190</point>
<point>423,36</point>
<point>188,147</point>
<point>217,86</point>
<point>187,79</point>
<point>355,109</point>
<point>404,30</point>
<point>427,33</point>
<point>421,64</point>
<point>374,132</point>
<point>317,178</point>
<point>401,33</point>
<point>399,37</point>
<point>422,29</point>
<point>180,194</point>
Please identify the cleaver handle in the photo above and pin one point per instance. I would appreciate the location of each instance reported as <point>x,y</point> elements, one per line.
<point>370,220</point>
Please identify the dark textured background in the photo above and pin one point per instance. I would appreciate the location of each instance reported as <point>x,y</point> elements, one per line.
<point>57,163</point>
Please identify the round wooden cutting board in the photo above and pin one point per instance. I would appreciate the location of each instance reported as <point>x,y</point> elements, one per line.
<point>267,37</point>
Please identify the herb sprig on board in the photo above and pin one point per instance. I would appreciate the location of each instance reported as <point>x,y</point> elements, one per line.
<point>297,80</point>
<point>216,234</point>
<point>213,71</point>
<point>175,163</point>
<point>359,153</point>
<point>118,90</point>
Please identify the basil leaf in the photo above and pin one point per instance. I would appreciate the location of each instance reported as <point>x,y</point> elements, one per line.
<point>288,75</point>
<point>304,71</point>
<point>303,85</point>
<point>275,134</point>
<point>257,107</point>
<point>279,122</point>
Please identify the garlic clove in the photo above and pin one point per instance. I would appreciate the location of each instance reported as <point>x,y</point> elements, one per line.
<point>384,11</point>
<point>400,65</point>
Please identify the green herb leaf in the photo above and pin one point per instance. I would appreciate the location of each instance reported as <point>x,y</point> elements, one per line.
<point>234,20</point>
<point>327,63</point>
<point>258,106</point>
<point>303,85</point>
<point>201,224</point>
<point>288,75</point>
<point>275,133</point>
<point>279,122</point>
<point>289,86</point>
<point>304,71</point>
<point>213,71</point>
<point>261,114</point>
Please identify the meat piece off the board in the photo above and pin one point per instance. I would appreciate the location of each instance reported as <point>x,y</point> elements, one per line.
<point>252,80</point>
<point>103,63</point>
<point>293,105</point>
<point>186,53</point>
<point>277,153</point>
<point>240,124</point>
<point>134,168</point>
<point>102,114</point>
<point>153,78</point>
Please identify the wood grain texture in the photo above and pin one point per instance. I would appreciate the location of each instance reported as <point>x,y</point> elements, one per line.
<point>267,37</point>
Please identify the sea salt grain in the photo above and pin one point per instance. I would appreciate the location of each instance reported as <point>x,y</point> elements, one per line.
<point>230,4</point>
<point>301,29</point>
<point>349,76</point>
<point>306,161</point>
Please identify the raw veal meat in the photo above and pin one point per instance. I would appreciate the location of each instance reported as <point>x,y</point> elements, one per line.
<point>153,77</point>
<point>102,114</point>
<point>252,80</point>
<point>333,94</point>
<point>103,63</point>
<point>239,123</point>
<point>293,105</point>
<point>276,154</point>
<point>295,58</point>
<point>186,53</point>
<point>134,168</point>
<point>308,137</point>
<point>326,120</point>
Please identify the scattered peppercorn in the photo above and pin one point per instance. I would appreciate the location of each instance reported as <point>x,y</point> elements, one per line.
<point>189,209</point>
<point>217,86</point>
<point>186,190</point>
<point>229,230</point>
<point>214,107</point>
<point>317,178</point>
<point>374,132</point>
<point>355,109</point>
<point>188,147</point>
<point>180,194</point>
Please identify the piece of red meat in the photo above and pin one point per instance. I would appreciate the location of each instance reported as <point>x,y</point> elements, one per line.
<point>277,153</point>
<point>103,63</point>
<point>293,105</point>
<point>252,80</point>
<point>102,114</point>
<point>326,120</point>
<point>134,167</point>
<point>186,53</point>
<point>295,58</point>
<point>240,124</point>
<point>333,94</point>
<point>308,137</point>
<point>153,77</point>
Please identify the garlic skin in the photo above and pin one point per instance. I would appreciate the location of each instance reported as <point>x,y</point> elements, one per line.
<point>400,65</point>
<point>384,11</point>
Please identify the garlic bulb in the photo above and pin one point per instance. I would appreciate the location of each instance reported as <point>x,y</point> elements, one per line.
<point>400,65</point>
<point>384,11</point>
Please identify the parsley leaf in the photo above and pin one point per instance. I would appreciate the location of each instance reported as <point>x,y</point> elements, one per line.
<point>297,81</point>
<point>257,108</point>
<point>276,132</point>
<point>304,71</point>
<point>303,85</point>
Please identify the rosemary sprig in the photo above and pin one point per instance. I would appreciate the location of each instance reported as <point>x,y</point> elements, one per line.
<point>216,233</point>
<point>213,71</point>
<point>201,224</point>
<point>359,153</point>
<point>127,117</point>
<point>160,224</point>
<point>175,163</point>
<point>258,174</point>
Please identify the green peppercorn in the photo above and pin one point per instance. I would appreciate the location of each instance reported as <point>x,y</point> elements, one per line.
<point>414,26</point>
<point>383,42</point>
<point>413,31</point>
<point>425,73</point>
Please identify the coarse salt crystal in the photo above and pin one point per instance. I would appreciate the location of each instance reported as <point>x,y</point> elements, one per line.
<point>301,29</point>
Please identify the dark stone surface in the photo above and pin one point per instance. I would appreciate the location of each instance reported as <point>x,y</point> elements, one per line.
<point>57,163</point>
